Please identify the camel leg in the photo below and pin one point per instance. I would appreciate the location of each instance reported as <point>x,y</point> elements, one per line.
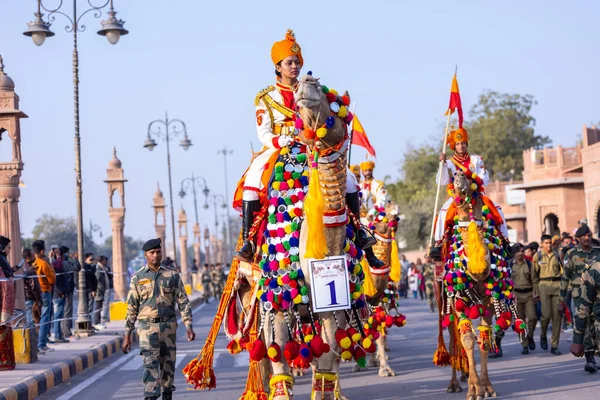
<point>326,383</point>
<point>468,340</point>
<point>281,383</point>
<point>384,368</point>
<point>454,386</point>
<point>484,350</point>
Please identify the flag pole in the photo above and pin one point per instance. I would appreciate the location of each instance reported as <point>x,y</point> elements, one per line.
<point>350,136</point>
<point>439,183</point>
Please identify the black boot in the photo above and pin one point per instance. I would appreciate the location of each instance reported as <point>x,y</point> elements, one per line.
<point>498,352</point>
<point>167,396</point>
<point>246,252</point>
<point>372,259</point>
<point>150,398</point>
<point>590,365</point>
<point>364,240</point>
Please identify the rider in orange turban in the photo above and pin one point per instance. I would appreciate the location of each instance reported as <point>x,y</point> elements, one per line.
<point>286,48</point>
<point>457,136</point>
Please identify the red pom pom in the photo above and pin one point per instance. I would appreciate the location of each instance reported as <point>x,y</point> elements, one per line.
<point>460,305</point>
<point>258,350</point>
<point>274,352</point>
<point>291,351</point>
<point>519,326</point>
<point>244,342</point>
<point>359,353</point>
<point>346,100</point>
<point>326,348</point>
<point>389,321</point>
<point>474,312</point>
<point>400,320</point>
<point>330,97</point>
<point>446,321</point>
<point>316,346</point>
<point>342,339</point>
<point>309,134</point>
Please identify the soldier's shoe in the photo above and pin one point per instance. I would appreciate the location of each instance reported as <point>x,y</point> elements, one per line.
<point>151,398</point>
<point>372,259</point>
<point>590,365</point>
<point>364,239</point>
<point>555,351</point>
<point>531,343</point>
<point>167,396</point>
<point>544,343</point>
<point>525,350</point>
<point>246,253</point>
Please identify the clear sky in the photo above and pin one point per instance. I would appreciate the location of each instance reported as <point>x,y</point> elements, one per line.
<point>204,62</point>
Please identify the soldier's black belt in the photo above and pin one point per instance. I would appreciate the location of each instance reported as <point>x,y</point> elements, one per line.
<point>550,279</point>
<point>159,319</point>
<point>526,290</point>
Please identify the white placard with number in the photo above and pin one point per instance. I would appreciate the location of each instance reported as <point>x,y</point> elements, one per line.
<point>329,287</point>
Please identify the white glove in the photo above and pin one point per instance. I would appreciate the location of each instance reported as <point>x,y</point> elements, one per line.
<point>284,141</point>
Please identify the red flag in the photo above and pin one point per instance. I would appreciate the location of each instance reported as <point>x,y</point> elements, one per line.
<point>359,137</point>
<point>455,103</point>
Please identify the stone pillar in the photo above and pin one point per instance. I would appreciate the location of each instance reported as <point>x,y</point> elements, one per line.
<point>207,246</point>
<point>116,183</point>
<point>182,222</point>
<point>10,174</point>
<point>197,240</point>
<point>160,222</point>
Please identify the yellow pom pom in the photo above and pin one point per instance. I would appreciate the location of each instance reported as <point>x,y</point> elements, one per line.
<point>385,220</point>
<point>343,112</point>
<point>347,246</point>
<point>345,343</point>
<point>290,183</point>
<point>288,229</point>
<point>284,150</point>
<point>272,352</point>
<point>474,175</point>
<point>356,337</point>
<point>279,164</point>
<point>450,193</point>
<point>259,294</point>
<point>333,91</point>
<point>356,295</point>
<point>279,281</point>
<point>321,132</point>
<point>346,355</point>
<point>370,320</point>
<point>298,299</point>
<point>356,269</point>
<point>473,186</point>
<point>282,265</point>
<point>491,246</point>
<point>276,185</point>
<point>308,338</point>
<point>367,343</point>
<point>265,248</point>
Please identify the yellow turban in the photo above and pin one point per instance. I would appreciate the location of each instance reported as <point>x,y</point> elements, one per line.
<point>286,48</point>
<point>457,136</point>
<point>365,165</point>
<point>355,169</point>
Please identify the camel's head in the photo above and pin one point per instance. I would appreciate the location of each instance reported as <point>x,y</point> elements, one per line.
<point>462,184</point>
<point>385,220</point>
<point>309,93</point>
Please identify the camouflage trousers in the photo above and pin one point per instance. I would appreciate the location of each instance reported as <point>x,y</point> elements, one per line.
<point>591,337</point>
<point>158,347</point>
<point>430,295</point>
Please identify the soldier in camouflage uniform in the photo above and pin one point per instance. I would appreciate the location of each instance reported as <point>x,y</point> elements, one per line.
<point>215,277</point>
<point>575,264</point>
<point>428,277</point>
<point>153,293</point>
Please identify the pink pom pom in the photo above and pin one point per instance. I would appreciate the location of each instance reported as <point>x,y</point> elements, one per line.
<point>284,186</point>
<point>285,279</point>
<point>294,292</point>
<point>275,201</point>
<point>298,124</point>
<point>279,247</point>
<point>280,232</point>
<point>270,296</point>
<point>273,265</point>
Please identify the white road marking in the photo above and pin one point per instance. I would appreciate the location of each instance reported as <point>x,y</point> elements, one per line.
<point>85,384</point>
<point>216,359</point>
<point>179,360</point>
<point>134,364</point>
<point>241,359</point>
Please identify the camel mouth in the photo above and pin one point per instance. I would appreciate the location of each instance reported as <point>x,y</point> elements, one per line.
<point>307,103</point>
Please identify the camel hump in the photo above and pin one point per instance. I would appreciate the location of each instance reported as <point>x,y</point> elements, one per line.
<point>262,94</point>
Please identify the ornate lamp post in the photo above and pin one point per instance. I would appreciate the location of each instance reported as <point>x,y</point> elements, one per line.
<point>217,200</point>
<point>172,128</point>
<point>225,151</point>
<point>207,246</point>
<point>39,30</point>
<point>195,182</point>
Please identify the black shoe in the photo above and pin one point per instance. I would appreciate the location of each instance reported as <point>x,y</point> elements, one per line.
<point>167,395</point>
<point>556,351</point>
<point>364,239</point>
<point>531,343</point>
<point>525,350</point>
<point>151,398</point>
<point>544,343</point>
<point>590,365</point>
<point>246,252</point>
<point>372,259</point>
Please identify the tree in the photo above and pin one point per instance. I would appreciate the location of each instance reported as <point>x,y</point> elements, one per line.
<point>500,127</point>
<point>60,231</point>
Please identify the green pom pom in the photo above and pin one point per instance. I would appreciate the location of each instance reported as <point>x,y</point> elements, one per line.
<point>286,245</point>
<point>301,157</point>
<point>325,89</point>
<point>294,226</point>
<point>451,317</point>
<point>303,290</point>
<point>272,219</point>
<point>261,282</point>
<point>293,275</point>
<point>296,175</point>
<point>279,177</point>
<point>362,362</point>
<point>279,168</point>
<point>295,258</point>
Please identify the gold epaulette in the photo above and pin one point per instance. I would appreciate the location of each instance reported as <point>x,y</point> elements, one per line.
<point>263,92</point>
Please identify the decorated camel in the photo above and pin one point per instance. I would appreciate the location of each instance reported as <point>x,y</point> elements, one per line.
<point>476,285</point>
<point>379,283</point>
<point>268,304</point>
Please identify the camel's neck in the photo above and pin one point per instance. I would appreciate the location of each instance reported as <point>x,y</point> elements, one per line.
<point>333,183</point>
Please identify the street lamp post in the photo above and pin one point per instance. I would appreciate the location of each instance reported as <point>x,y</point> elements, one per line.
<point>207,246</point>
<point>225,152</point>
<point>217,200</point>
<point>194,182</point>
<point>172,128</point>
<point>39,30</point>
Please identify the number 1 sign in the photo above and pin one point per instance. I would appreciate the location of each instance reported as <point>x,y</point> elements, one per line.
<point>329,284</point>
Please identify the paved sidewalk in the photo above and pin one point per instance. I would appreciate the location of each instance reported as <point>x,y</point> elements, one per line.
<point>27,381</point>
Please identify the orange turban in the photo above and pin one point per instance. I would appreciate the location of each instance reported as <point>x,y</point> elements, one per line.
<point>457,136</point>
<point>355,169</point>
<point>365,165</point>
<point>286,48</point>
